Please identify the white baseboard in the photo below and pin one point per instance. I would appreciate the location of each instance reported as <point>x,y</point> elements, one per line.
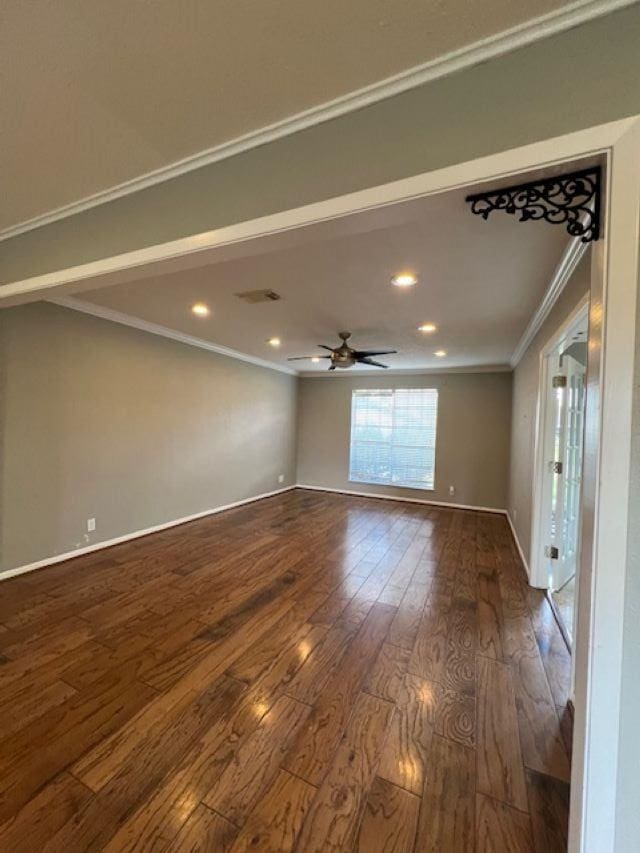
<point>107,543</point>
<point>403,500</point>
<point>518,546</point>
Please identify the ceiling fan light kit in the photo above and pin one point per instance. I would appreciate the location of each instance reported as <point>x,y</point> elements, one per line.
<point>344,356</point>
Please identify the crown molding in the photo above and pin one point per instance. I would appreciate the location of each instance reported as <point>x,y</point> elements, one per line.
<point>524,34</point>
<point>570,259</point>
<point>163,331</point>
<point>407,371</point>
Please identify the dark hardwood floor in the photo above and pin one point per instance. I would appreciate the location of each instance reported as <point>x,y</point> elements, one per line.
<point>310,672</point>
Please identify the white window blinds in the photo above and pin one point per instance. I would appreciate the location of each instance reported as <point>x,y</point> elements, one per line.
<point>393,437</point>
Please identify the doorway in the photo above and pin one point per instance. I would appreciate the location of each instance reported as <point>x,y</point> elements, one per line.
<point>559,461</point>
<point>567,392</point>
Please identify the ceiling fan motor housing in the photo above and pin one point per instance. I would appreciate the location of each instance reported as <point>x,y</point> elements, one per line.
<point>343,357</point>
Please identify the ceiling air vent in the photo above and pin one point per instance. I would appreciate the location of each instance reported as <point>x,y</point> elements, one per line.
<point>253,296</point>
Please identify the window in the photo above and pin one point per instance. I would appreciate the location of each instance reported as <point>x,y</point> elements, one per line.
<point>393,437</point>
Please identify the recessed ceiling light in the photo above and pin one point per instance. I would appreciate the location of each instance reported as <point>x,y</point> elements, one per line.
<point>200,309</point>
<point>274,342</point>
<point>440,353</point>
<point>404,279</point>
<point>427,327</point>
<point>316,359</point>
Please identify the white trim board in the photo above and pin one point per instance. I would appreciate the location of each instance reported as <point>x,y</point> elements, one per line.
<point>123,319</point>
<point>529,32</point>
<point>518,545</point>
<point>163,331</point>
<point>205,248</point>
<point>136,534</point>
<point>555,342</point>
<point>157,528</point>
<point>401,499</point>
<point>407,371</point>
<point>570,259</point>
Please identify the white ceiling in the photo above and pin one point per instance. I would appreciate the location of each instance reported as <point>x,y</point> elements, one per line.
<point>98,93</point>
<point>480,282</point>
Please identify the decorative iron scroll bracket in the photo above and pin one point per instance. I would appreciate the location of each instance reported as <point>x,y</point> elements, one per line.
<point>572,200</point>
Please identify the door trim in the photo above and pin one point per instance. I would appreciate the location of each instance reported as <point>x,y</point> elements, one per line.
<point>537,572</point>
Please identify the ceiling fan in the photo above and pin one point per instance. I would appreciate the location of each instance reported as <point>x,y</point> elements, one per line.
<point>345,356</point>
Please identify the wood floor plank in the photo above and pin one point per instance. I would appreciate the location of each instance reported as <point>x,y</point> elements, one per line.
<point>390,820</point>
<point>33,651</point>
<point>255,764</point>
<point>565,715</point>
<point>552,647</point>
<point>405,757</point>
<point>386,677</point>
<point>427,658</point>
<point>500,765</point>
<point>42,750</point>
<point>459,664</point>
<point>405,625</point>
<point>204,832</point>
<point>446,822</point>
<point>490,617</point>
<point>277,677</point>
<point>50,809</point>
<point>549,809</point>
<point>455,715</point>
<point>313,750</point>
<point>147,765</point>
<point>543,748</point>
<point>309,681</point>
<point>163,814</point>
<point>21,708</point>
<point>153,671</point>
<point>249,666</point>
<point>336,811</point>
<point>275,822</point>
<point>500,828</point>
<point>101,763</point>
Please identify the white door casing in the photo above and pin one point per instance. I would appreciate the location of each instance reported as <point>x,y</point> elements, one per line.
<point>544,451</point>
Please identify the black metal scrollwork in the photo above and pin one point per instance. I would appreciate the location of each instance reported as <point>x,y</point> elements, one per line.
<point>572,199</point>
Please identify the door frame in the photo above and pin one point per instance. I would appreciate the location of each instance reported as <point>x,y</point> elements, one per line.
<point>608,422</point>
<point>539,524</point>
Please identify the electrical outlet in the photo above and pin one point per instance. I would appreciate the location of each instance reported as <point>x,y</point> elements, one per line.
<point>281,478</point>
<point>91,525</point>
<point>452,490</point>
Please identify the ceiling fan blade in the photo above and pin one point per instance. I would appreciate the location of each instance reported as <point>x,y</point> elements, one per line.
<point>302,357</point>
<point>367,352</point>
<point>371,362</point>
<point>323,346</point>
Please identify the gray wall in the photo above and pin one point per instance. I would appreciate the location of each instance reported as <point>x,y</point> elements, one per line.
<point>525,400</point>
<point>472,453</point>
<point>101,420</point>
<point>579,78</point>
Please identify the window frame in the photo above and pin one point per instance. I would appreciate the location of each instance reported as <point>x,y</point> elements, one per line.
<point>392,392</point>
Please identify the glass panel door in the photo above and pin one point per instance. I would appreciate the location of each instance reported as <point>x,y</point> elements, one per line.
<point>568,391</point>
